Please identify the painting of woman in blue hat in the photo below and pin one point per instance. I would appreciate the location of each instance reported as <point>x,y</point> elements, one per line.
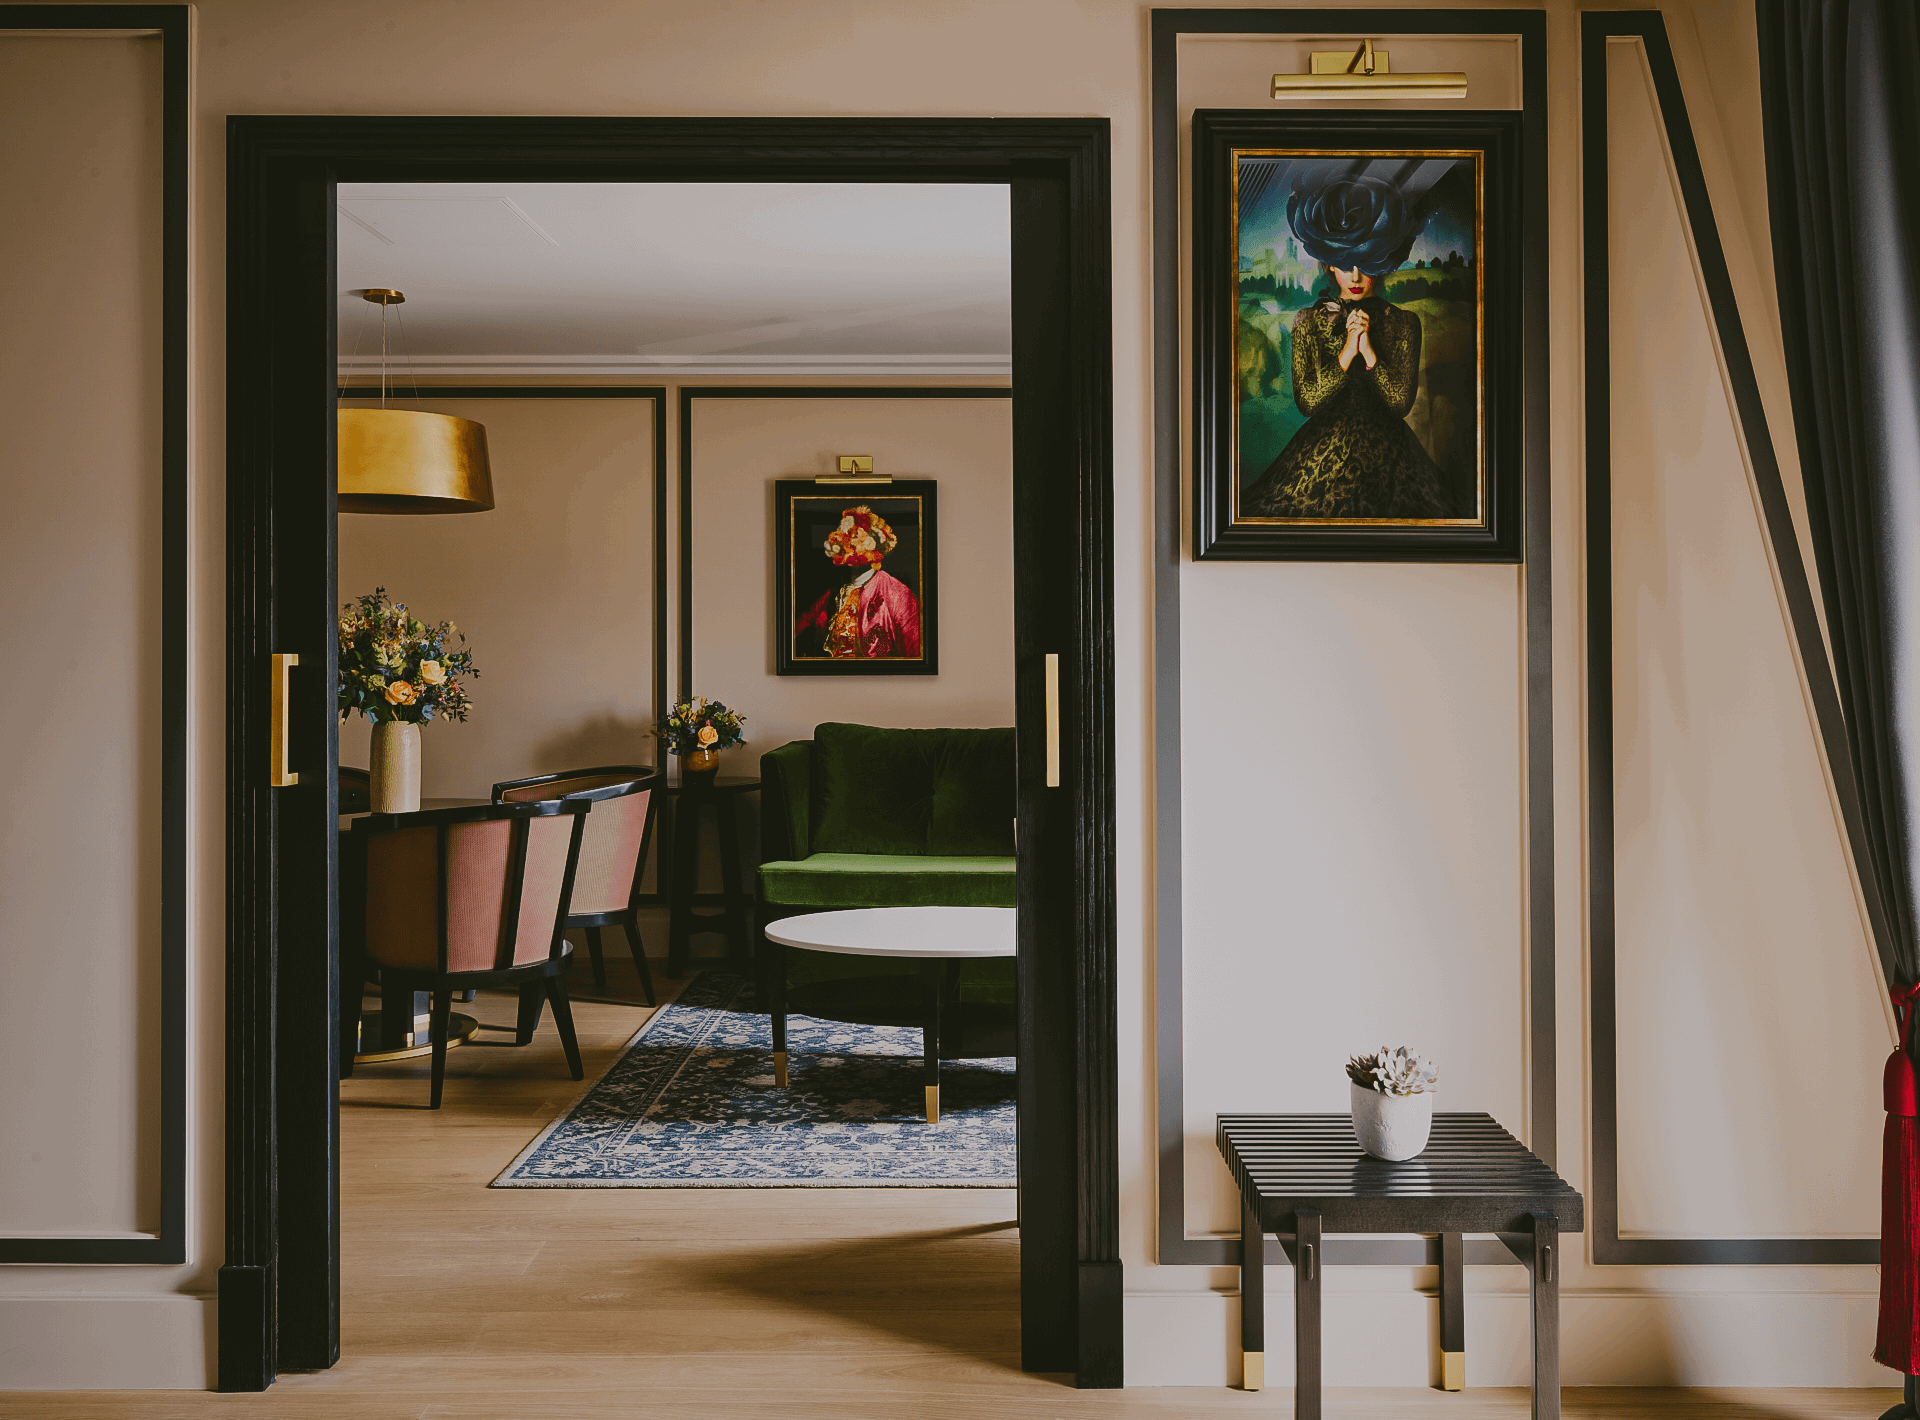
<point>1361,364</point>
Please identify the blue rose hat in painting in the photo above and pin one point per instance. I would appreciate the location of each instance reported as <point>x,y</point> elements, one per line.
<point>1355,221</point>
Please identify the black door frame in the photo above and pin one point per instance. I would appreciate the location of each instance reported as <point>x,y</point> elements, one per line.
<point>280,1283</point>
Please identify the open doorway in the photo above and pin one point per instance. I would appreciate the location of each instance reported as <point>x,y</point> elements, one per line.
<point>461,302</point>
<point>280,1287</point>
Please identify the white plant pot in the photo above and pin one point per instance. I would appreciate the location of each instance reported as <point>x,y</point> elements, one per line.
<point>1391,1127</point>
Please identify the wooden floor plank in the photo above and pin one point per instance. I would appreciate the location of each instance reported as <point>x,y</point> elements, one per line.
<point>460,1300</point>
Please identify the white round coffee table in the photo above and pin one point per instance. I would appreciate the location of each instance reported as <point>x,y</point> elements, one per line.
<point>938,938</point>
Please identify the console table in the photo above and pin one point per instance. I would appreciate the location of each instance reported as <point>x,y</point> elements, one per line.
<point>685,797</point>
<point>1303,1175</point>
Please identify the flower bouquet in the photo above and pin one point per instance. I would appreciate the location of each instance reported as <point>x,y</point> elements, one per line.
<point>398,671</point>
<point>699,730</point>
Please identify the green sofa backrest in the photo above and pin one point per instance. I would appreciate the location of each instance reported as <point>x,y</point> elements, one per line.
<point>947,793</point>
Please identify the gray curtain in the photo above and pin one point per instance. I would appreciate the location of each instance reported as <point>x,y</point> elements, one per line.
<point>1840,86</point>
<point>1840,93</point>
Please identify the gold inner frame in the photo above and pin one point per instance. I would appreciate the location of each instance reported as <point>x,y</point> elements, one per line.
<point>793,563</point>
<point>1479,156</point>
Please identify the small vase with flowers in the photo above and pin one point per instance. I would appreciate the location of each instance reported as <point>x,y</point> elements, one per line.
<point>697,730</point>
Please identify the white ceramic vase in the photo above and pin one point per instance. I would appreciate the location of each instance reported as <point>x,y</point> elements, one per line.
<point>1391,1127</point>
<point>396,767</point>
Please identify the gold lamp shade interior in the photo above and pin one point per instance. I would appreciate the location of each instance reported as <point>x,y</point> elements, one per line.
<point>409,461</point>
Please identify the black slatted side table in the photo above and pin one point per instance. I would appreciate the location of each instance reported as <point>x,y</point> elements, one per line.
<point>1304,1175</point>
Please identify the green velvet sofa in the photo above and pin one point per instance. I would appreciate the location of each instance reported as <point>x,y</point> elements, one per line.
<point>860,816</point>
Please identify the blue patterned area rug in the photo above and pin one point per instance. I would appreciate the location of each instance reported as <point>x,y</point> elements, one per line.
<point>691,1103</point>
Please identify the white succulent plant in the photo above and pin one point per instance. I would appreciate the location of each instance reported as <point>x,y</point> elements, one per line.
<point>1394,1072</point>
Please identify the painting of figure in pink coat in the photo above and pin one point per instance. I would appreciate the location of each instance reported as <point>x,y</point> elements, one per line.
<point>857,578</point>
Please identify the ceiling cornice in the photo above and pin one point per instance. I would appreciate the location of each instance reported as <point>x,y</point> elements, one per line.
<point>405,370</point>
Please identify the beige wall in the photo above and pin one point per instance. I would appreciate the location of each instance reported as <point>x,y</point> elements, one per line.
<point>1321,647</point>
<point>553,589</point>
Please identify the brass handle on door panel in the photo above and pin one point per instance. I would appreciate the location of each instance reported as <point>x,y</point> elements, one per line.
<point>278,775</point>
<point>1053,721</point>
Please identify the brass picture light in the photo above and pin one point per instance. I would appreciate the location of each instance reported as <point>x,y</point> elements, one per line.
<point>1367,73</point>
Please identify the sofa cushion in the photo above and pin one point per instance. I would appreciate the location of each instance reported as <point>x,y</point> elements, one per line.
<point>889,880</point>
<point>943,793</point>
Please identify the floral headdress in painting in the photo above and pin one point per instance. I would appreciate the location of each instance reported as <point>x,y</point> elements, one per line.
<point>862,537</point>
<point>1356,222</point>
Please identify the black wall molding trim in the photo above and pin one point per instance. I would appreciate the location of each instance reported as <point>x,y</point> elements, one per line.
<point>282,928</point>
<point>1597,31</point>
<point>173,23</point>
<point>690,393</point>
<point>657,394</point>
<point>1170,498</point>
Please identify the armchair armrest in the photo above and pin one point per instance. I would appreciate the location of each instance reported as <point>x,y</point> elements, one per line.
<point>785,802</point>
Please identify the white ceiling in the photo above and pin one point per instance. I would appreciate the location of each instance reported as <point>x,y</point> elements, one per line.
<point>678,278</point>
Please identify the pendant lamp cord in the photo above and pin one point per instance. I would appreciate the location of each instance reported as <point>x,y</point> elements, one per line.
<point>406,349</point>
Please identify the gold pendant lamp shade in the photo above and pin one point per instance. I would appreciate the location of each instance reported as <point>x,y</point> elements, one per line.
<point>407,460</point>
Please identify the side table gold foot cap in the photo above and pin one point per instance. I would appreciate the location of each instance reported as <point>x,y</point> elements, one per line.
<point>780,1069</point>
<point>1453,1370</point>
<point>933,1104</point>
<point>1253,1370</point>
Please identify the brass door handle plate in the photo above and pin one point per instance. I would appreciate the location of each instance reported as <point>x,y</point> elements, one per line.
<point>278,775</point>
<point>1053,720</point>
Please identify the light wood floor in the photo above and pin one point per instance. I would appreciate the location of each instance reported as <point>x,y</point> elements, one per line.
<point>706,1304</point>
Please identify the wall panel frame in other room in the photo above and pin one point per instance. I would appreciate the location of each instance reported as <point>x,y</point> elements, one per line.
<point>690,393</point>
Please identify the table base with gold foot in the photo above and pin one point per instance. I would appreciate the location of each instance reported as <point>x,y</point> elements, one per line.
<point>372,1046</point>
<point>1453,1312</point>
<point>939,938</point>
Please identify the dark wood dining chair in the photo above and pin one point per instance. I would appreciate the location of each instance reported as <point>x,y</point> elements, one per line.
<point>469,897</point>
<point>613,855</point>
<point>356,789</point>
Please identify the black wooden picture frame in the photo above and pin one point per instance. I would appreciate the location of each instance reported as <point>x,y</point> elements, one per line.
<point>1482,520</point>
<point>803,574</point>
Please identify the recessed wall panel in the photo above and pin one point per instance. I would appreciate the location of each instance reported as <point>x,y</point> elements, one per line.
<point>553,588</point>
<point>740,446</point>
<point>80,580</point>
<point>1352,770</point>
<point>1750,1034</point>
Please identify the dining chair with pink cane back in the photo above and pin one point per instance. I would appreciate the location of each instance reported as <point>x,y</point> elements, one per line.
<point>613,854</point>
<point>475,896</point>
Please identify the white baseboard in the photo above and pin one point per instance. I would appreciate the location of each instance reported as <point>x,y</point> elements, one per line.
<point>159,1342</point>
<point>1370,1339</point>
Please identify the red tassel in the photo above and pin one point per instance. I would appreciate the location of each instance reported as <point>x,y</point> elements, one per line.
<point>1898,1342</point>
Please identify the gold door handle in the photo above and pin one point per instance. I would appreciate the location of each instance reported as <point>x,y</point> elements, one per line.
<point>1053,721</point>
<point>278,775</point>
